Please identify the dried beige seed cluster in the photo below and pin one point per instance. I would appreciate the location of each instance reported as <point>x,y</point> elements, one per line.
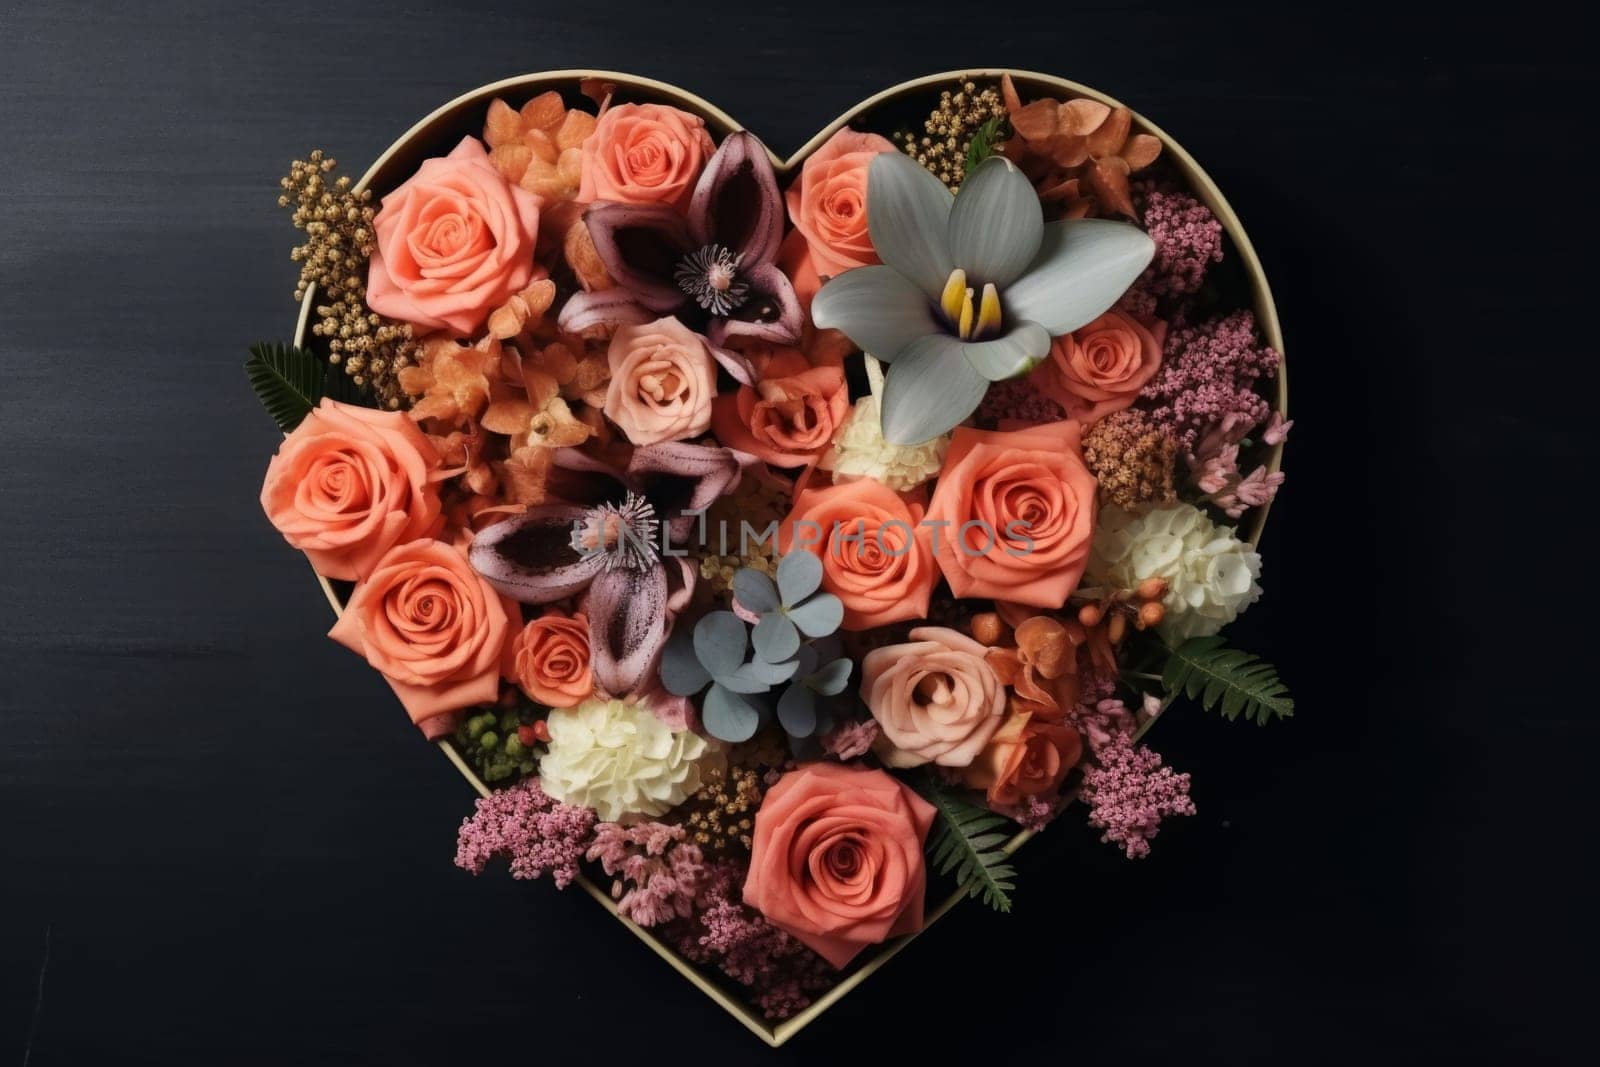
<point>947,134</point>
<point>337,222</point>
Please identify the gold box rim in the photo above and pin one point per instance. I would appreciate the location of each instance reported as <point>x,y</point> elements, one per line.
<point>1266,317</point>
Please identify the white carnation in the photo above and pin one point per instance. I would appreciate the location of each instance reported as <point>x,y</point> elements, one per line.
<point>617,758</point>
<point>859,451</point>
<point>1211,575</point>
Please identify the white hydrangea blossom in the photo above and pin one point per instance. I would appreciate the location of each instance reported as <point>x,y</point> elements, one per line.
<point>1211,575</point>
<point>859,451</point>
<point>617,758</point>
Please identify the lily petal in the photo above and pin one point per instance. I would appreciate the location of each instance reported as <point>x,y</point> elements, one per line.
<point>641,247</point>
<point>530,557</point>
<point>908,219</point>
<point>677,477</point>
<point>770,312</point>
<point>578,478</point>
<point>627,625</point>
<point>1013,354</point>
<point>604,308</point>
<point>996,224</point>
<point>735,363</point>
<point>876,307</point>
<point>736,202</point>
<point>1083,267</point>
<point>929,389</point>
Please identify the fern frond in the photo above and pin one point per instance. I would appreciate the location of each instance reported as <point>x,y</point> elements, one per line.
<point>984,140</point>
<point>287,380</point>
<point>1205,668</point>
<point>964,842</point>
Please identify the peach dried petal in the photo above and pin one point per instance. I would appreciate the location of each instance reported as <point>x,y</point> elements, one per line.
<point>1036,121</point>
<point>1005,663</point>
<point>542,144</point>
<point>1043,643</point>
<point>541,387</point>
<point>1069,151</point>
<point>524,475</point>
<point>511,160</point>
<point>544,112</point>
<point>557,361</point>
<point>598,89</point>
<point>1109,138</point>
<point>503,125</point>
<point>570,165</point>
<point>574,129</point>
<point>1082,116</point>
<point>579,250</point>
<point>1141,150</point>
<point>508,417</point>
<point>1109,179</point>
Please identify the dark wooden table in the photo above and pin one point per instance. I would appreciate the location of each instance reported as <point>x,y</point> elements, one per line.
<point>220,842</point>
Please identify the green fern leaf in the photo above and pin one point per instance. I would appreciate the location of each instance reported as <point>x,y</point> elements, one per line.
<point>984,141</point>
<point>964,843</point>
<point>1205,668</point>
<point>288,381</point>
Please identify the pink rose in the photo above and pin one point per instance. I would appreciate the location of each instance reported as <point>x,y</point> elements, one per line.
<point>644,154</point>
<point>349,484</point>
<point>936,698</point>
<point>454,242</point>
<point>836,858</point>
<point>662,384</point>
<point>829,202</point>
<point>1099,368</point>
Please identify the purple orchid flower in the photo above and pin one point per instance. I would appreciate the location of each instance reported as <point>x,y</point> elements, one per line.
<point>607,537</point>
<point>713,270</point>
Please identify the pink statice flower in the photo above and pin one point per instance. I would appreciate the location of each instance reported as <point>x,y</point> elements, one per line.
<point>782,974</point>
<point>1102,719</point>
<point>536,834</point>
<point>1033,812</point>
<point>1016,402</point>
<point>851,740</point>
<point>1129,792</point>
<point>657,873</point>
<point>1188,240</point>
<point>1207,378</point>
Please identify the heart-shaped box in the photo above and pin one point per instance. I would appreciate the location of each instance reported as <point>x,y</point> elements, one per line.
<point>439,131</point>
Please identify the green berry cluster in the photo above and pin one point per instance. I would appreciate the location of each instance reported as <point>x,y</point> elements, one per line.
<point>496,743</point>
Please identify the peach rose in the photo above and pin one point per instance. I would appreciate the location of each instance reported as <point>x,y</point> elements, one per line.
<point>1025,758</point>
<point>876,555</point>
<point>829,202</point>
<point>1017,510</point>
<point>936,698</point>
<point>644,154</point>
<point>432,626</point>
<point>788,417</point>
<point>550,659</point>
<point>836,858</point>
<point>349,484</point>
<point>454,242</point>
<point>662,384</point>
<point>1100,368</point>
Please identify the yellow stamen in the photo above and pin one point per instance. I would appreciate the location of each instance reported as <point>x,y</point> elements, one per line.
<point>965,328</point>
<point>950,300</point>
<point>989,313</point>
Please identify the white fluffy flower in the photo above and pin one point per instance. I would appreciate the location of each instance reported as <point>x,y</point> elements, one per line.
<point>616,757</point>
<point>1211,575</point>
<point>859,451</point>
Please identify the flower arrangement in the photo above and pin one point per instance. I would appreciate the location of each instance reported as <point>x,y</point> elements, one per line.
<point>781,546</point>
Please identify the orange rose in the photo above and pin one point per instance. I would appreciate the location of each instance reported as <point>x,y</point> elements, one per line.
<point>1100,368</point>
<point>550,659</point>
<point>876,554</point>
<point>829,202</point>
<point>662,382</point>
<point>644,154</point>
<point>788,417</point>
<point>836,858</point>
<point>1017,514</point>
<point>936,698</point>
<point>349,484</point>
<point>1025,758</point>
<point>454,242</point>
<point>432,626</point>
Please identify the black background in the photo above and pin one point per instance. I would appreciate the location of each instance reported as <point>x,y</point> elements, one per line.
<point>220,841</point>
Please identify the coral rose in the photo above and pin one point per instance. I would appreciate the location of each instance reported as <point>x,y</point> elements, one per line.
<point>1100,368</point>
<point>349,484</point>
<point>829,202</point>
<point>644,154</point>
<point>1025,758</point>
<point>550,659</point>
<point>836,858</point>
<point>936,698</point>
<point>454,242</point>
<point>662,382</point>
<point>789,416</point>
<point>877,557</point>
<point>432,626</point>
<point>1015,514</point>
